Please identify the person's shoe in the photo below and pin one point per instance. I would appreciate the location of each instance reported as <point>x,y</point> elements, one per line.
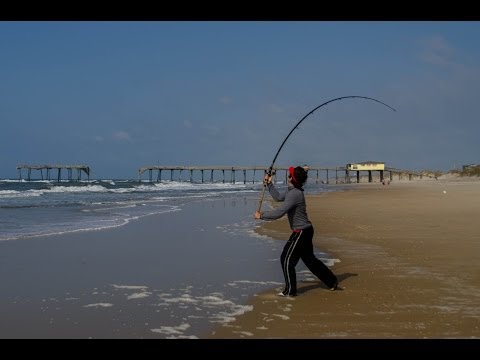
<point>334,287</point>
<point>286,295</point>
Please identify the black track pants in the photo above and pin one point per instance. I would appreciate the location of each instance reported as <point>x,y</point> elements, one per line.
<point>299,246</point>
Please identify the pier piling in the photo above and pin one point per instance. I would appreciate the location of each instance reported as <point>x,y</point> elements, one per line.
<point>69,168</point>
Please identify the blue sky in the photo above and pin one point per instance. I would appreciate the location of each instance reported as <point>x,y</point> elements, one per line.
<point>121,95</point>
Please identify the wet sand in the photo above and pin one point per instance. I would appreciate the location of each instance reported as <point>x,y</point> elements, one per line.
<point>409,267</point>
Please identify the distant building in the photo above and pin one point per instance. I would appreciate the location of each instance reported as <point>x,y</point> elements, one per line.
<point>366,165</point>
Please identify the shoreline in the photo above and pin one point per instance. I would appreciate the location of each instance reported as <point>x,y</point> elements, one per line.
<point>409,267</point>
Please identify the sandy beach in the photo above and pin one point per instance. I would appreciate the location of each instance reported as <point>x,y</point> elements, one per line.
<point>409,267</point>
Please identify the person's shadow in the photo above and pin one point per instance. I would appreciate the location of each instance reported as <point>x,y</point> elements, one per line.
<point>320,285</point>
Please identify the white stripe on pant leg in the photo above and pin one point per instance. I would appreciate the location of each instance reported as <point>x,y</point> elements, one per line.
<point>287,259</point>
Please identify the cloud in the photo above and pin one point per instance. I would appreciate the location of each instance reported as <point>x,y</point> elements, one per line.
<point>121,136</point>
<point>437,51</point>
<point>98,138</point>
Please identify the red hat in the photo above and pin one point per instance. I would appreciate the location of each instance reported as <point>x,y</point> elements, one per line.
<point>291,170</point>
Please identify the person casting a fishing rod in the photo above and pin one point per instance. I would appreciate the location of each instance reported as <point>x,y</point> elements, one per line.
<point>299,245</point>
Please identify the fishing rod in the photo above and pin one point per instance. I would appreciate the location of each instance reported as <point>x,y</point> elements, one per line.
<point>269,171</point>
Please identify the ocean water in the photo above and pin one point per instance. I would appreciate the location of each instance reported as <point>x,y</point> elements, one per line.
<point>45,207</point>
<point>123,259</point>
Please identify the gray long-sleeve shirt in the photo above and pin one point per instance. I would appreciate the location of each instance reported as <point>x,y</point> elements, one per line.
<point>293,204</point>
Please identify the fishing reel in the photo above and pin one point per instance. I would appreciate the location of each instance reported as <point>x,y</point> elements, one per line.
<point>270,173</point>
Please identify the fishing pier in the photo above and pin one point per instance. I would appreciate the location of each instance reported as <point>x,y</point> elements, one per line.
<point>224,174</point>
<point>257,173</point>
<point>323,175</point>
<point>47,168</point>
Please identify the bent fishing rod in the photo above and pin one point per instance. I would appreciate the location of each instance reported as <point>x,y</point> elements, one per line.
<point>270,169</point>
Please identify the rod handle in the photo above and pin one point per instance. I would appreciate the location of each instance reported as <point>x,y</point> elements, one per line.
<point>261,197</point>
